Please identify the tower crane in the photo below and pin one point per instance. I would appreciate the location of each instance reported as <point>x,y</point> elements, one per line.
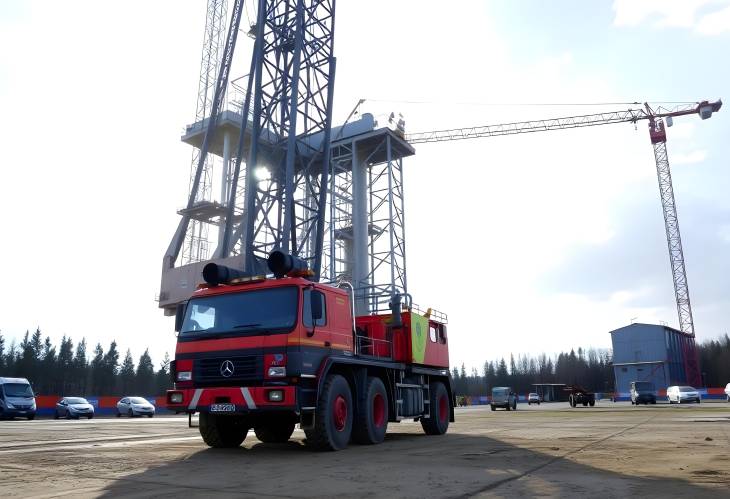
<point>658,137</point>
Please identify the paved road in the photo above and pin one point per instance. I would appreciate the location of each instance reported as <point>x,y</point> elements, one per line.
<point>612,450</point>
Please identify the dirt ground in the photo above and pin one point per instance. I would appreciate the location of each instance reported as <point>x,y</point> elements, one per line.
<point>611,450</point>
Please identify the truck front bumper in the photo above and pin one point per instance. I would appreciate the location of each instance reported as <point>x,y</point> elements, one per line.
<point>244,399</point>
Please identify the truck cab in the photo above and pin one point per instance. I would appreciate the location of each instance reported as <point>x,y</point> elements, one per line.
<point>267,354</point>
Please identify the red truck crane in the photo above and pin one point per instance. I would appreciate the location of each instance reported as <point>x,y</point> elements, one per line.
<point>269,353</point>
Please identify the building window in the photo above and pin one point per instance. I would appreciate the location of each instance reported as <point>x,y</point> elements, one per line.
<point>624,370</point>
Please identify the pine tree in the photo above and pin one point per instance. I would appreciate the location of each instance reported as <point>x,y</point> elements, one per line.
<point>110,367</point>
<point>65,365</point>
<point>36,343</point>
<point>47,372</point>
<point>162,377</point>
<point>126,374</point>
<point>145,375</point>
<point>2,351</point>
<point>81,368</point>
<point>97,370</point>
<point>11,358</point>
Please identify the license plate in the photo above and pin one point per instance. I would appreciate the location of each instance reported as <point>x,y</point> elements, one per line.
<point>223,408</point>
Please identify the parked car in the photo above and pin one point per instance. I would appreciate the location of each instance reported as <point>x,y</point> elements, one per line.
<point>503,396</point>
<point>643,392</point>
<point>727,391</point>
<point>73,407</point>
<point>135,406</point>
<point>682,394</point>
<point>16,399</point>
<point>533,398</point>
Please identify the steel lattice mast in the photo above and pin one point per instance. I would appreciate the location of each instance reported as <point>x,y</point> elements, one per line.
<point>195,245</point>
<point>290,89</point>
<point>658,137</point>
<point>199,177</point>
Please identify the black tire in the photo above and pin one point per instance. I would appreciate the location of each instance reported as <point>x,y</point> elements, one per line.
<point>55,415</point>
<point>333,416</point>
<point>508,407</point>
<point>698,401</point>
<point>493,408</point>
<point>31,418</point>
<point>371,420</point>
<point>592,403</point>
<point>130,413</point>
<point>150,415</point>
<point>222,432</point>
<point>90,417</point>
<point>440,407</point>
<point>276,430</point>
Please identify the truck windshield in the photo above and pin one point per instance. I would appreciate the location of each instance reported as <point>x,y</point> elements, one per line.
<point>17,390</point>
<point>644,386</point>
<point>500,391</point>
<point>249,312</point>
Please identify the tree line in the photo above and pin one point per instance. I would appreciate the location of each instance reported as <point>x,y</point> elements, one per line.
<point>592,369</point>
<point>68,369</point>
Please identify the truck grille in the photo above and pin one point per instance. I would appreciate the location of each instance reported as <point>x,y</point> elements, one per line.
<point>245,369</point>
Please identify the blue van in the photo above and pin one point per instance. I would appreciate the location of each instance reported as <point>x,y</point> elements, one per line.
<point>16,399</point>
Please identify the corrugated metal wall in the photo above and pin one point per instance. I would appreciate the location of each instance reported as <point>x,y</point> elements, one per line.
<point>639,343</point>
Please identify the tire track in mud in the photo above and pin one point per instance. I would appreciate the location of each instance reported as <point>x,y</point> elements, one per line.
<point>550,461</point>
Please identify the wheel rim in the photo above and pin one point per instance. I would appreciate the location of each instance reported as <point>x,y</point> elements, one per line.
<point>340,413</point>
<point>378,410</point>
<point>443,408</point>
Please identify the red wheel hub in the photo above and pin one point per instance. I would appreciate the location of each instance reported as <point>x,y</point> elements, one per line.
<point>378,410</point>
<point>339,412</point>
<point>443,408</point>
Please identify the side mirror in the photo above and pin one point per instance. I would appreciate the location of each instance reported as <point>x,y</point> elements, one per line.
<point>180,316</point>
<point>316,302</point>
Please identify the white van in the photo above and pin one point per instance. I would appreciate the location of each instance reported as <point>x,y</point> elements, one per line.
<point>16,399</point>
<point>727,391</point>
<point>681,394</point>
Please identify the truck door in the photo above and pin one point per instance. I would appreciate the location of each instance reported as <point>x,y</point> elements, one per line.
<point>316,332</point>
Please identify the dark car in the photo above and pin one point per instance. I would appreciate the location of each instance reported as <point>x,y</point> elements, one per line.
<point>643,392</point>
<point>74,407</point>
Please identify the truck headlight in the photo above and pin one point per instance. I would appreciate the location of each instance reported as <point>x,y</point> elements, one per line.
<point>184,375</point>
<point>9,405</point>
<point>176,398</point>
<point>276,372</point>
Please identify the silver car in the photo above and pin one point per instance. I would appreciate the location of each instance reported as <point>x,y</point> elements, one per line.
<point>73,407</point>
<point>135,406</point>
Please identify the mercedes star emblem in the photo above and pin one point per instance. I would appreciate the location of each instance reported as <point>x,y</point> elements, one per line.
<point>227,369</point>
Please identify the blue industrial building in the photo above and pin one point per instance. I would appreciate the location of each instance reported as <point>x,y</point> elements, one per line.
<point>650,352</point>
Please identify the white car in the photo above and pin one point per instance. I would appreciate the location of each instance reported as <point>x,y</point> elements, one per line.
<point>682,394</point>
<point>727,391</point>
<point>135,406</point>
<point>533,398</point>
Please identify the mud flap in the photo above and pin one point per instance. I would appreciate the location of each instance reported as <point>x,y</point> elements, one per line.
<point>306,420</point>
<point>190,421</point>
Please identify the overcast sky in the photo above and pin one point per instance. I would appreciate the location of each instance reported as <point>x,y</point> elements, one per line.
<point>530,243</point>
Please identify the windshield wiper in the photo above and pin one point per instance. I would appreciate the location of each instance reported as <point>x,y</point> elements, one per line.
<point>241,326</point>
